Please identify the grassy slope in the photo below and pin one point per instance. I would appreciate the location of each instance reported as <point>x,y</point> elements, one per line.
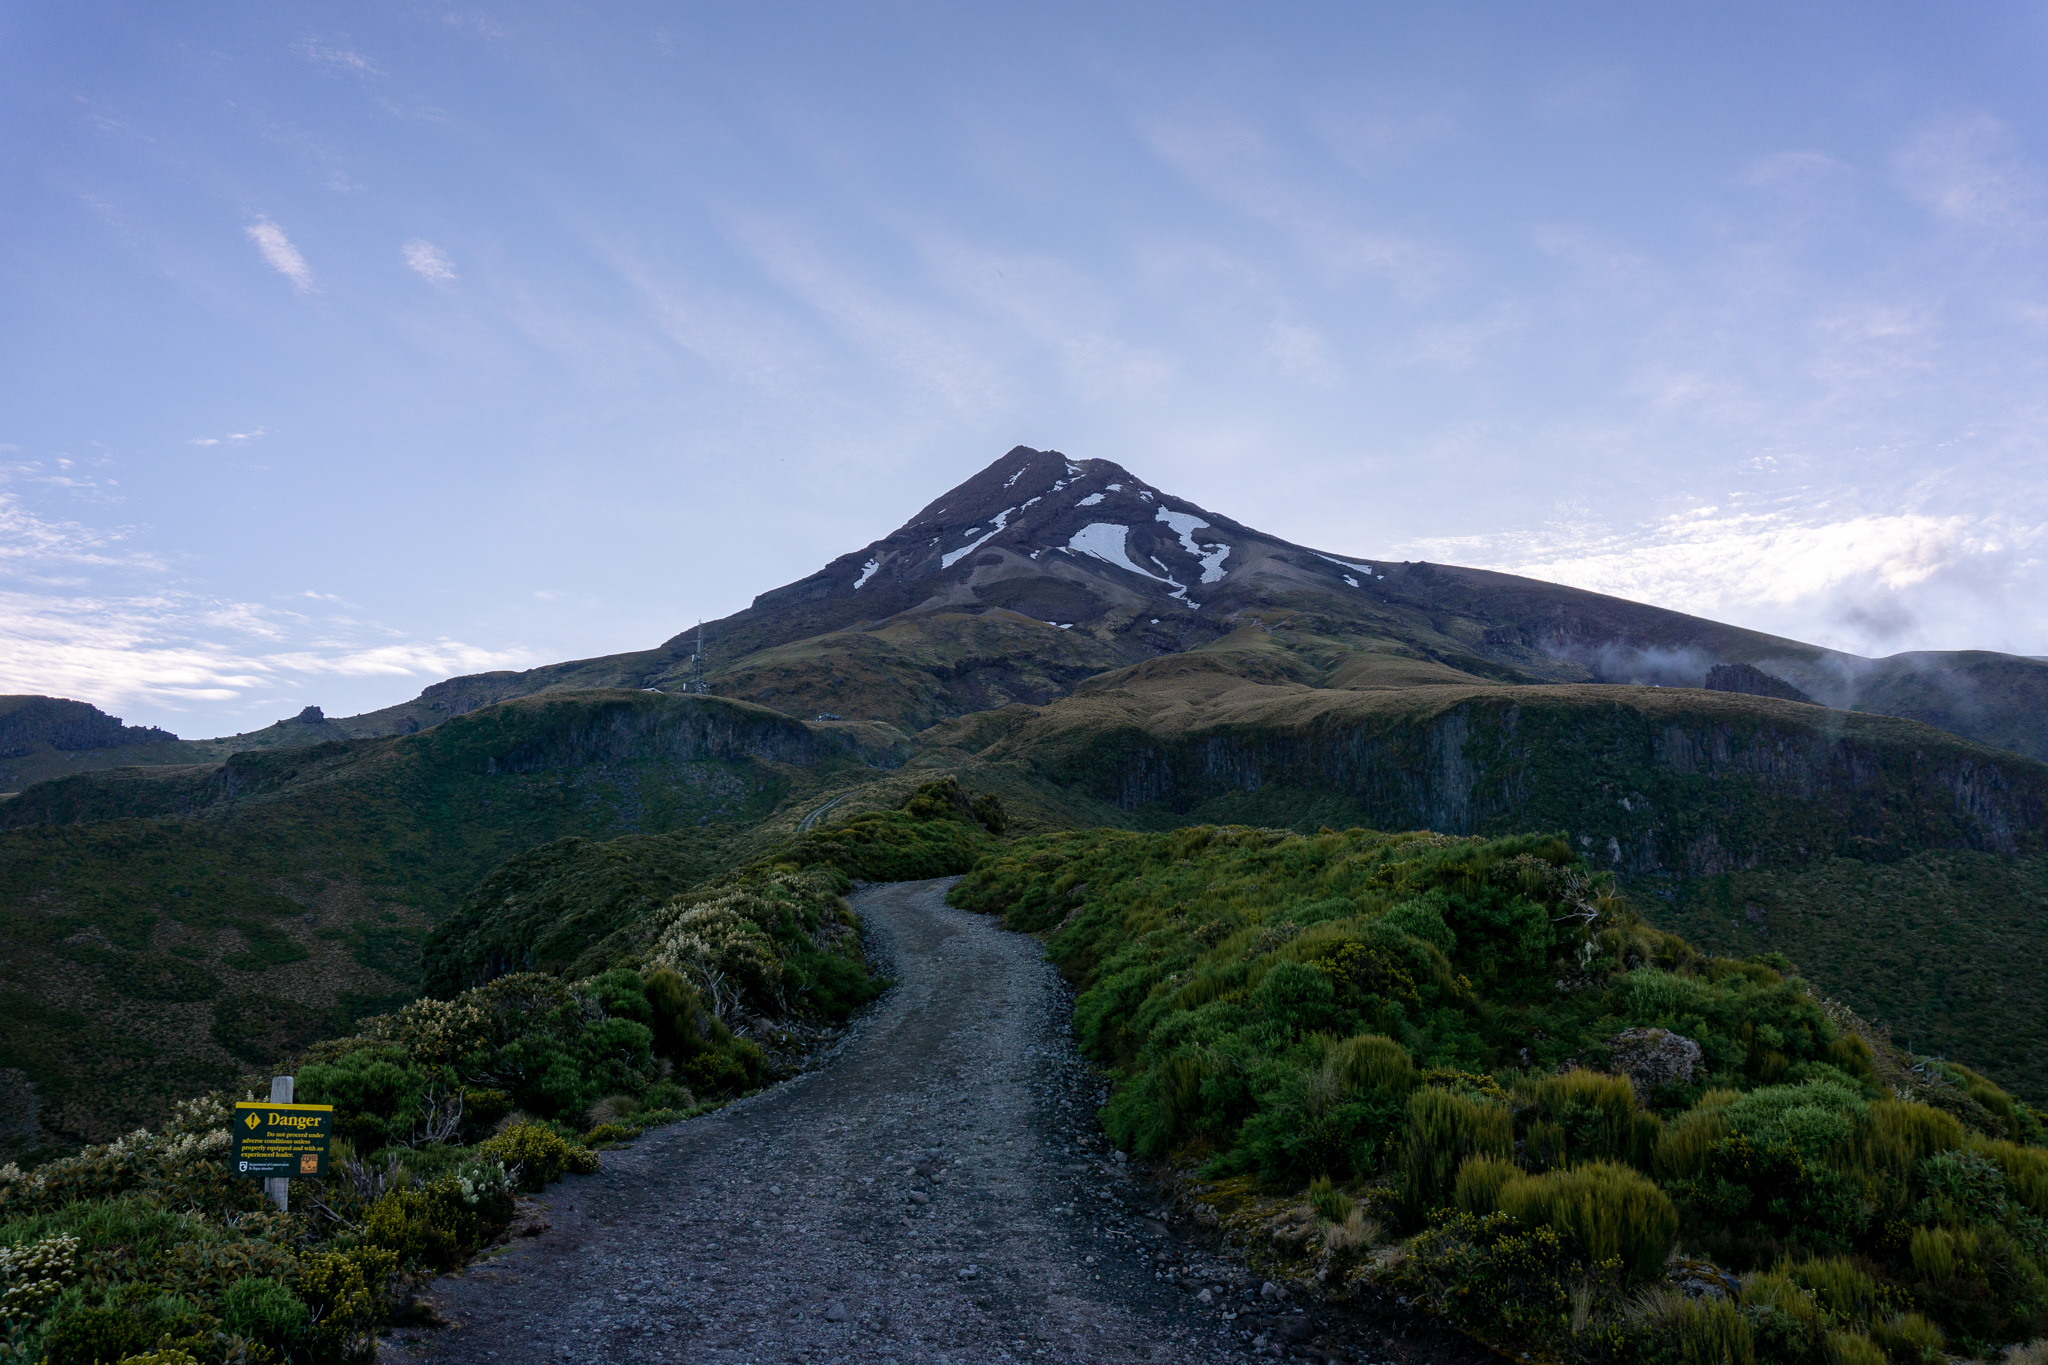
<point>194,924</point>
<point>1957,968</point>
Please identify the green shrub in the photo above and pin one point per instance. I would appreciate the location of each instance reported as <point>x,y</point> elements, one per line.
<point>1331,1204</point>
<point>1853,1348</point>
<point>1670,1327</point>
<point>1787,1323</point>
<point>266,1311</point>
<point>94,1336</point>
<point>1614,1211</point>
<point>2025,1168</point>
<point>1838,1285</point>
<point>1817,1119</point>
<point>1684,1147</point>
<point>1373,1061</point>
<point>538,1154</point>
<point>1297,997</point>
<point>437,1224</point>
<point>1497,1277</point>
<point>1990,1096</point>
<point>1901,1134</point>
<point>1910,1339</point>
<point>405,1221</point>
<point>344,1293</point>
<point>1586,1116</point>
<point>1961,1187</point>
<point>1748,1203</point>
<point>1445,1131</point>
<point>377,1093</point>
<point>1477,1190</point>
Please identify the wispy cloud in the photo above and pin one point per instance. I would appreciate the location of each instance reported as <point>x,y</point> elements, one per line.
<point>85,613</point>
<point>1874,577</point>
<point>1055,305</point>
<point>428,261</point>
<point>235,437</point>
<point>934,350</point>
<point>1969,171</point>
<point>28,541</point>
<point>1456,345</point>
<point>279,252</point>
<point>1234,165</point>
<point>172,648</point>
<point>337,58</point>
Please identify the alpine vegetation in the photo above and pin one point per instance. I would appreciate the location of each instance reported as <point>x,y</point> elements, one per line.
<point>1495,1090</point>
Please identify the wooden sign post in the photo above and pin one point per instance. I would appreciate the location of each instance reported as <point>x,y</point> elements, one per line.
<point>276,1140</point>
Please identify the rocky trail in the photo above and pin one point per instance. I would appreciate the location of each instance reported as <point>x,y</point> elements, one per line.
<point>936,1191</point>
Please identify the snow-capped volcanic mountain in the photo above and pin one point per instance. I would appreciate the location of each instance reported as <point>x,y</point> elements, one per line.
<point>1041,571</point>
<point>1034,515</point>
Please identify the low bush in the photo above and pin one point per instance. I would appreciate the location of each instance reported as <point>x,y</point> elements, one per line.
<point>265,1310</point>
<point>537,1154</point>
<point>1614,1211</point>
<point>1444,1132</point>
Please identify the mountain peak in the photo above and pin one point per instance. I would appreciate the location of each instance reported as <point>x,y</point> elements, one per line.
<point>1038,514</point>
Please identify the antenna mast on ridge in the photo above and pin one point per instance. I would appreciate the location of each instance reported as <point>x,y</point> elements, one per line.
<point>697,660</point>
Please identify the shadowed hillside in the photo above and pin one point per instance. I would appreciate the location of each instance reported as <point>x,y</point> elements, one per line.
<point>164,927</point>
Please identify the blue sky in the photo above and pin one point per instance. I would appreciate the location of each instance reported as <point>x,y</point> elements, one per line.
<point>353,346</point>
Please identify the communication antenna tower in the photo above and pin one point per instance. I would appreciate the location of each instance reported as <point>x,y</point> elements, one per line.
<point>697,661</point>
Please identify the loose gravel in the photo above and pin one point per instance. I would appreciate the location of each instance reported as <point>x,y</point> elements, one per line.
<point>936,1191</point>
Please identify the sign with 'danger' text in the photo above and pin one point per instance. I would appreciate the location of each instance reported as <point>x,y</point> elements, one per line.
<point>287,1141</point>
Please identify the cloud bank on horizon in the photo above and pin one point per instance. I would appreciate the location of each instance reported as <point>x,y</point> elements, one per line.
<point>364,345</point>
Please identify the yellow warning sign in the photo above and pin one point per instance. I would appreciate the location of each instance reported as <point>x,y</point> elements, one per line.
<point>288,1140</point>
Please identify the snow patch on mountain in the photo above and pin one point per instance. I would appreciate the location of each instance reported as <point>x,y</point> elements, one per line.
<point>1365,569</point>
<point>1105,540</point>
<point>867,571</point>
<point>947,561</point>
<point>1090,500</point>
<point>1212,555</point>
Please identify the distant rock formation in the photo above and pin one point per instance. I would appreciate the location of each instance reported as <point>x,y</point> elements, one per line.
<point>30,722</point>
<point>1752,681</point>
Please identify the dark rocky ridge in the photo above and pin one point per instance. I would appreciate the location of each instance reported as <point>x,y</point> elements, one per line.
<point>29,722</point>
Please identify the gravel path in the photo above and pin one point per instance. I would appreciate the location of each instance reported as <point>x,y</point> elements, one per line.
<point>935,1191</point>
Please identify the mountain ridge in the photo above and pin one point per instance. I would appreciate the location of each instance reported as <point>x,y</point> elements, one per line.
<point>1036,541</point>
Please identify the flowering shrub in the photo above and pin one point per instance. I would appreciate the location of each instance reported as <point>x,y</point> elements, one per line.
<point>537,1155</point>
<point>31,1276</point>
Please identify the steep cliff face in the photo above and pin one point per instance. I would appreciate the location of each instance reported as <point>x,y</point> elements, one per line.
<point>550,732</point>
<point>28,721</point>
<point>1646,780</point>
<point>41,737</point>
